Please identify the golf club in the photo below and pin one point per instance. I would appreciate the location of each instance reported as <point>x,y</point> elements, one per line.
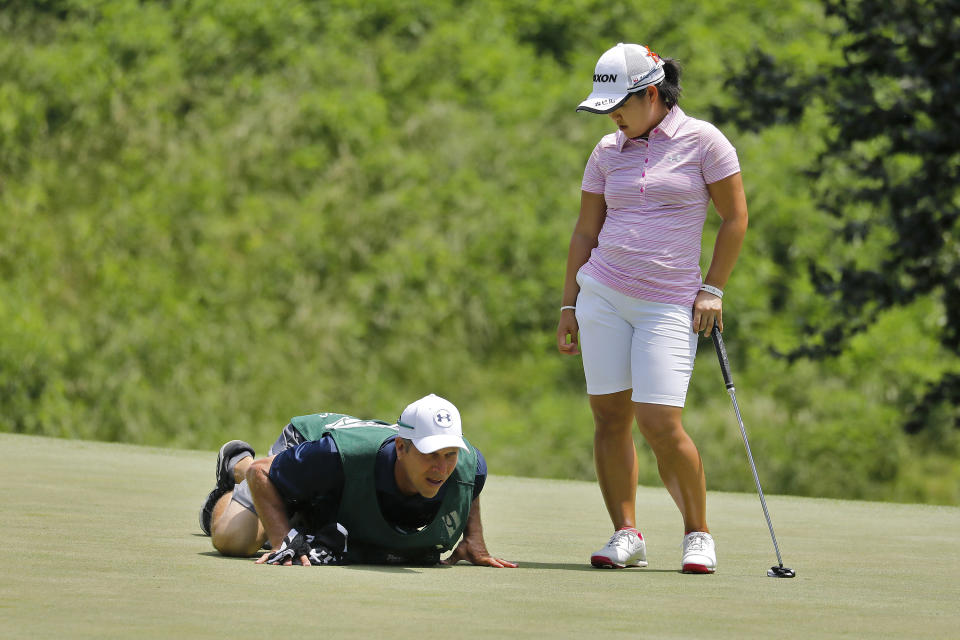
<point>778,571</point>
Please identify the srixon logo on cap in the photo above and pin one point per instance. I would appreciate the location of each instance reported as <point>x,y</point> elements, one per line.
<point>604,77</point>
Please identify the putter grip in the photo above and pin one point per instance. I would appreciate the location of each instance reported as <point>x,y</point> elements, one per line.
<point>722,355</point>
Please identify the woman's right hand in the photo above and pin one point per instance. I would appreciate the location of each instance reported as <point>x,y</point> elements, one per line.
<point>568,328</point>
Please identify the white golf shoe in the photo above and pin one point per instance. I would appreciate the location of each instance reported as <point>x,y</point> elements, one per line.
<point>625,549</point>
<point>699,553</point>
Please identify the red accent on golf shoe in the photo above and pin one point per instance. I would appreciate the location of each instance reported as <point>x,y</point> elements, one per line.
<point>696,568</point>
<point>603,562</point>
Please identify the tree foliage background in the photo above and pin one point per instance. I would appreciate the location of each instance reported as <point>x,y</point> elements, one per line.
<point>888,173</point>
<point>217,215</point>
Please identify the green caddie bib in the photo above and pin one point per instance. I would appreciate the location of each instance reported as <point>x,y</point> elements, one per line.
<point>370,538</point>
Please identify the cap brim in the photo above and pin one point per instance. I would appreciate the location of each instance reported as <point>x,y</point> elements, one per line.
<point>430,444</point>
<point>603,103</point>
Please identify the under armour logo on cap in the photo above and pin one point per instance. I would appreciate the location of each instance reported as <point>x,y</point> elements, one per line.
<point>443,419</point>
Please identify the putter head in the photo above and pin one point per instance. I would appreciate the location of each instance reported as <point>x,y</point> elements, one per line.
<point>780,572</point>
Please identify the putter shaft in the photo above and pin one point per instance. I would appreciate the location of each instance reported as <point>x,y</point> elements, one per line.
<point>731,389</point>
<point>753,468</point>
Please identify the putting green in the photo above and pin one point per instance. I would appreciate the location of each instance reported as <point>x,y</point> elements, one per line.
<point>101,541</point>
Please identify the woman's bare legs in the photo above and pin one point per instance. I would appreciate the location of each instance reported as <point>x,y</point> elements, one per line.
<point>615,455</point>
<point>678,461</point>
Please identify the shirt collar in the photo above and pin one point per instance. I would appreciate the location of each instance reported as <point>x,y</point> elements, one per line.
<point>383,470</point>
<point>668,127</point>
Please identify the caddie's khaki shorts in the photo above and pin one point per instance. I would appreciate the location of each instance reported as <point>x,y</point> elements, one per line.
<point>288,439</point>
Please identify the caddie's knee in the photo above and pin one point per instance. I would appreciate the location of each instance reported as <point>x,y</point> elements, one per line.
<point>234,544</point>
<point>237,533</point>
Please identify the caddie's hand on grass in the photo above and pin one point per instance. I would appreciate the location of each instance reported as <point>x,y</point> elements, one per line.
<point>568,327</point>
<point>707,308</point>
<point>294,545</point>
<point>477,555</point>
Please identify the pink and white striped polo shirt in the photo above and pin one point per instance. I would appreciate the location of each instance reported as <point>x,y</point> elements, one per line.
<point>656,194</point>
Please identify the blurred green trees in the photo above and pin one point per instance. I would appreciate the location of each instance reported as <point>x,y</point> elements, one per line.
<point>888,173</point>
<point>218,215</point>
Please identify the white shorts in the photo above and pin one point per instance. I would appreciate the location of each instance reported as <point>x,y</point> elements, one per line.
<point>628,343</point>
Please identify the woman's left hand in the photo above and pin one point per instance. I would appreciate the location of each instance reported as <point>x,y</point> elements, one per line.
<point>707,308</point>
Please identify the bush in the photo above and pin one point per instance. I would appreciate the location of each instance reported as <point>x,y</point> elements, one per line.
<point>220,215</point>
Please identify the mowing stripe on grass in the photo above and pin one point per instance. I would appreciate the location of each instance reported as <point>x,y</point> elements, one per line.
<point>102,541</point>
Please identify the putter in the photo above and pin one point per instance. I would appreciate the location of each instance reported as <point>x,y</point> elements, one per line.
<point>778,571</point>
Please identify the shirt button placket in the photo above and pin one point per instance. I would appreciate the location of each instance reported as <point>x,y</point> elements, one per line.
<point>643,172</point>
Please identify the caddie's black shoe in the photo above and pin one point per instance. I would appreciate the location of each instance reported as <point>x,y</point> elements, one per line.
<point>206,511</point>
<point>228,452</point>
<point>225,480</point>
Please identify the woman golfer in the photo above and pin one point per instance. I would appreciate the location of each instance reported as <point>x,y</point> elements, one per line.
<point>633,297</point>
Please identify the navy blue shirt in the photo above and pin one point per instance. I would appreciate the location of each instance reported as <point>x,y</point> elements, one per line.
<point>309,478</point>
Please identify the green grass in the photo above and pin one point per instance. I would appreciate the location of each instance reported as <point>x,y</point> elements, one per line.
<point>101,541</point>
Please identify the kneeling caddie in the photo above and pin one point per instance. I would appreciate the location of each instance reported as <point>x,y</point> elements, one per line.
<point>337,489</point>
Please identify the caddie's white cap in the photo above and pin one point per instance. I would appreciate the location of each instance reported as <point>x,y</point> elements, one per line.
<point>432,423</point>
<point>620,71</point>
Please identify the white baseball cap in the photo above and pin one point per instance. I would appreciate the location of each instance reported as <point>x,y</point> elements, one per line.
<point>432,423</point>
<point>620,71</point>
